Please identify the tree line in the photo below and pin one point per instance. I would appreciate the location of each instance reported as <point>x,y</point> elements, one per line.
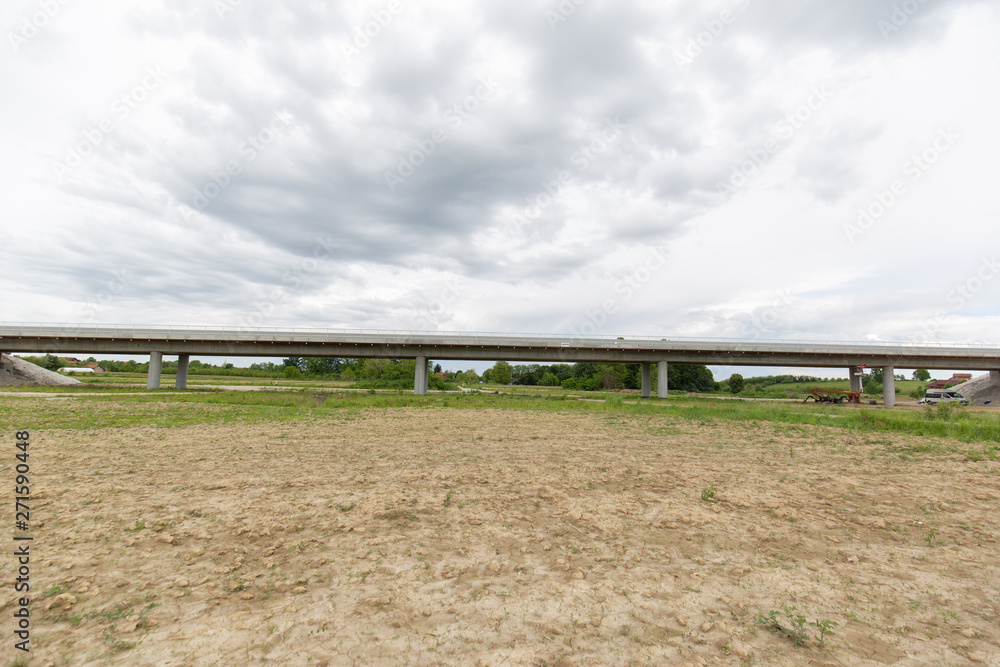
<point>595,377</point>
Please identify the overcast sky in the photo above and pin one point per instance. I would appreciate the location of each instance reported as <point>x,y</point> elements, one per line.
<point>742,168</point>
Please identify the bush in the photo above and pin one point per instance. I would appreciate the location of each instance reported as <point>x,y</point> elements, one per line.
<point>292,373</point>
<point>736,383</point>
<point>549,380</point>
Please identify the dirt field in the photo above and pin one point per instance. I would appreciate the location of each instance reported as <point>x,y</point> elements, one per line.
<point>499,537</point>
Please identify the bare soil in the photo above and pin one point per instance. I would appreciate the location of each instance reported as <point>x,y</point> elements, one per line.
<point>503,537</point>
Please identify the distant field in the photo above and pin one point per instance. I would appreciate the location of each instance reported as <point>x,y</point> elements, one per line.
<point>318,527</point>
<point>801,389</point>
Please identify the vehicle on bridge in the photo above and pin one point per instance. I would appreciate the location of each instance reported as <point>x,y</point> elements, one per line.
<point>833,396</point>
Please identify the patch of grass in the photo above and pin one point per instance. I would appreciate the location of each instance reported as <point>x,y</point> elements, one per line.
<point>708,493</point>
<point>168,410</point>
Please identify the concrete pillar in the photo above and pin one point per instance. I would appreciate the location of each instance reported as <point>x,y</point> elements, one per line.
<point>182,370</point>
<point>995,377</point>
<point>647,380</point>
<point>888,385</point>
<point>661,379</point>
<point>155,364</point>
<point>855,373</point>
<point>420,376</point>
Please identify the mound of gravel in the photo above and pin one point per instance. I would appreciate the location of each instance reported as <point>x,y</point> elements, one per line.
<point>16,372</point>
<point>979,390</point>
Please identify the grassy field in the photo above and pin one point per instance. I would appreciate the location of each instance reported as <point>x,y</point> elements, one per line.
<point>160,409</point>
<point>318,526</point>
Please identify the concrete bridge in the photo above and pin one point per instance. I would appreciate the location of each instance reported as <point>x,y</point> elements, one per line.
<point>156,341</point>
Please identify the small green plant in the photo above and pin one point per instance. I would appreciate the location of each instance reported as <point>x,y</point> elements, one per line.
<point>825,628</point>
<point>929,537</point>
<point>794,626</point>
<point>139,525</point>
<point>56,589</point>
<point>708,493</point>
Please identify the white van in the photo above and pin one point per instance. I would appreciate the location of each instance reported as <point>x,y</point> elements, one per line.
<point>935,396</point>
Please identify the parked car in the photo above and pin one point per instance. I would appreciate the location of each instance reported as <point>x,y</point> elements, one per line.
<point>935,396</point>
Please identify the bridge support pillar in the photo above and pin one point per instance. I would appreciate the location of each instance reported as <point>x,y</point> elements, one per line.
<point>647,380</point>
<point>155,365</point>
<point>420,376</point>
<point>661,379</point>
<point>183,361</point>
<point>856,375</point>
<point>995,377</point>
<point>888,385</point>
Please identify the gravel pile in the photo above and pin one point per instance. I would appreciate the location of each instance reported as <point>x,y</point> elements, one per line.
<point>979,390</point>
<point>16,372</point>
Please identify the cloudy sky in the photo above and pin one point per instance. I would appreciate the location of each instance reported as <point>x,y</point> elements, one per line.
<point>742,168</point>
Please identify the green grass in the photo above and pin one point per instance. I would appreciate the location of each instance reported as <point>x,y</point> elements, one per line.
<point>801,389</point>
<point>165,410</point>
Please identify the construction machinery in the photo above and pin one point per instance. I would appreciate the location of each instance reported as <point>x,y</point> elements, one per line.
<point>833,396</point>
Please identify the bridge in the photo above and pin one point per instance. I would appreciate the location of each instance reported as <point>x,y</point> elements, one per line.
<point>156,341</point>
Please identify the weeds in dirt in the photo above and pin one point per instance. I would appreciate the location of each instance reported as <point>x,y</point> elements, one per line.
<point>708,493</point>
<point>56,589</point>
<point>795,626</point>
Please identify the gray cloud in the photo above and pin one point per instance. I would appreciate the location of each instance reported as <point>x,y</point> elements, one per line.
<point>373,174</point>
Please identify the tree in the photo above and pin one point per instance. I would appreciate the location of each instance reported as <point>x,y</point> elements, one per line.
<point>690,378</point>
<point>51,362</point>
<point>501,372</point>
<point>549,380</point>
<point>292,373</point>
<point>293,361</point>
<point>735,383</point>
<point>922,375</point>
<point>876,375</point>
<point>437,368</point>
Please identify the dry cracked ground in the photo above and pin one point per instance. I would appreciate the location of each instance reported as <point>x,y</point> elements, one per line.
<point>505,537</point>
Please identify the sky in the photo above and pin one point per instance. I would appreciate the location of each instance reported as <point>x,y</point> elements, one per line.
<point>746,169</point>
